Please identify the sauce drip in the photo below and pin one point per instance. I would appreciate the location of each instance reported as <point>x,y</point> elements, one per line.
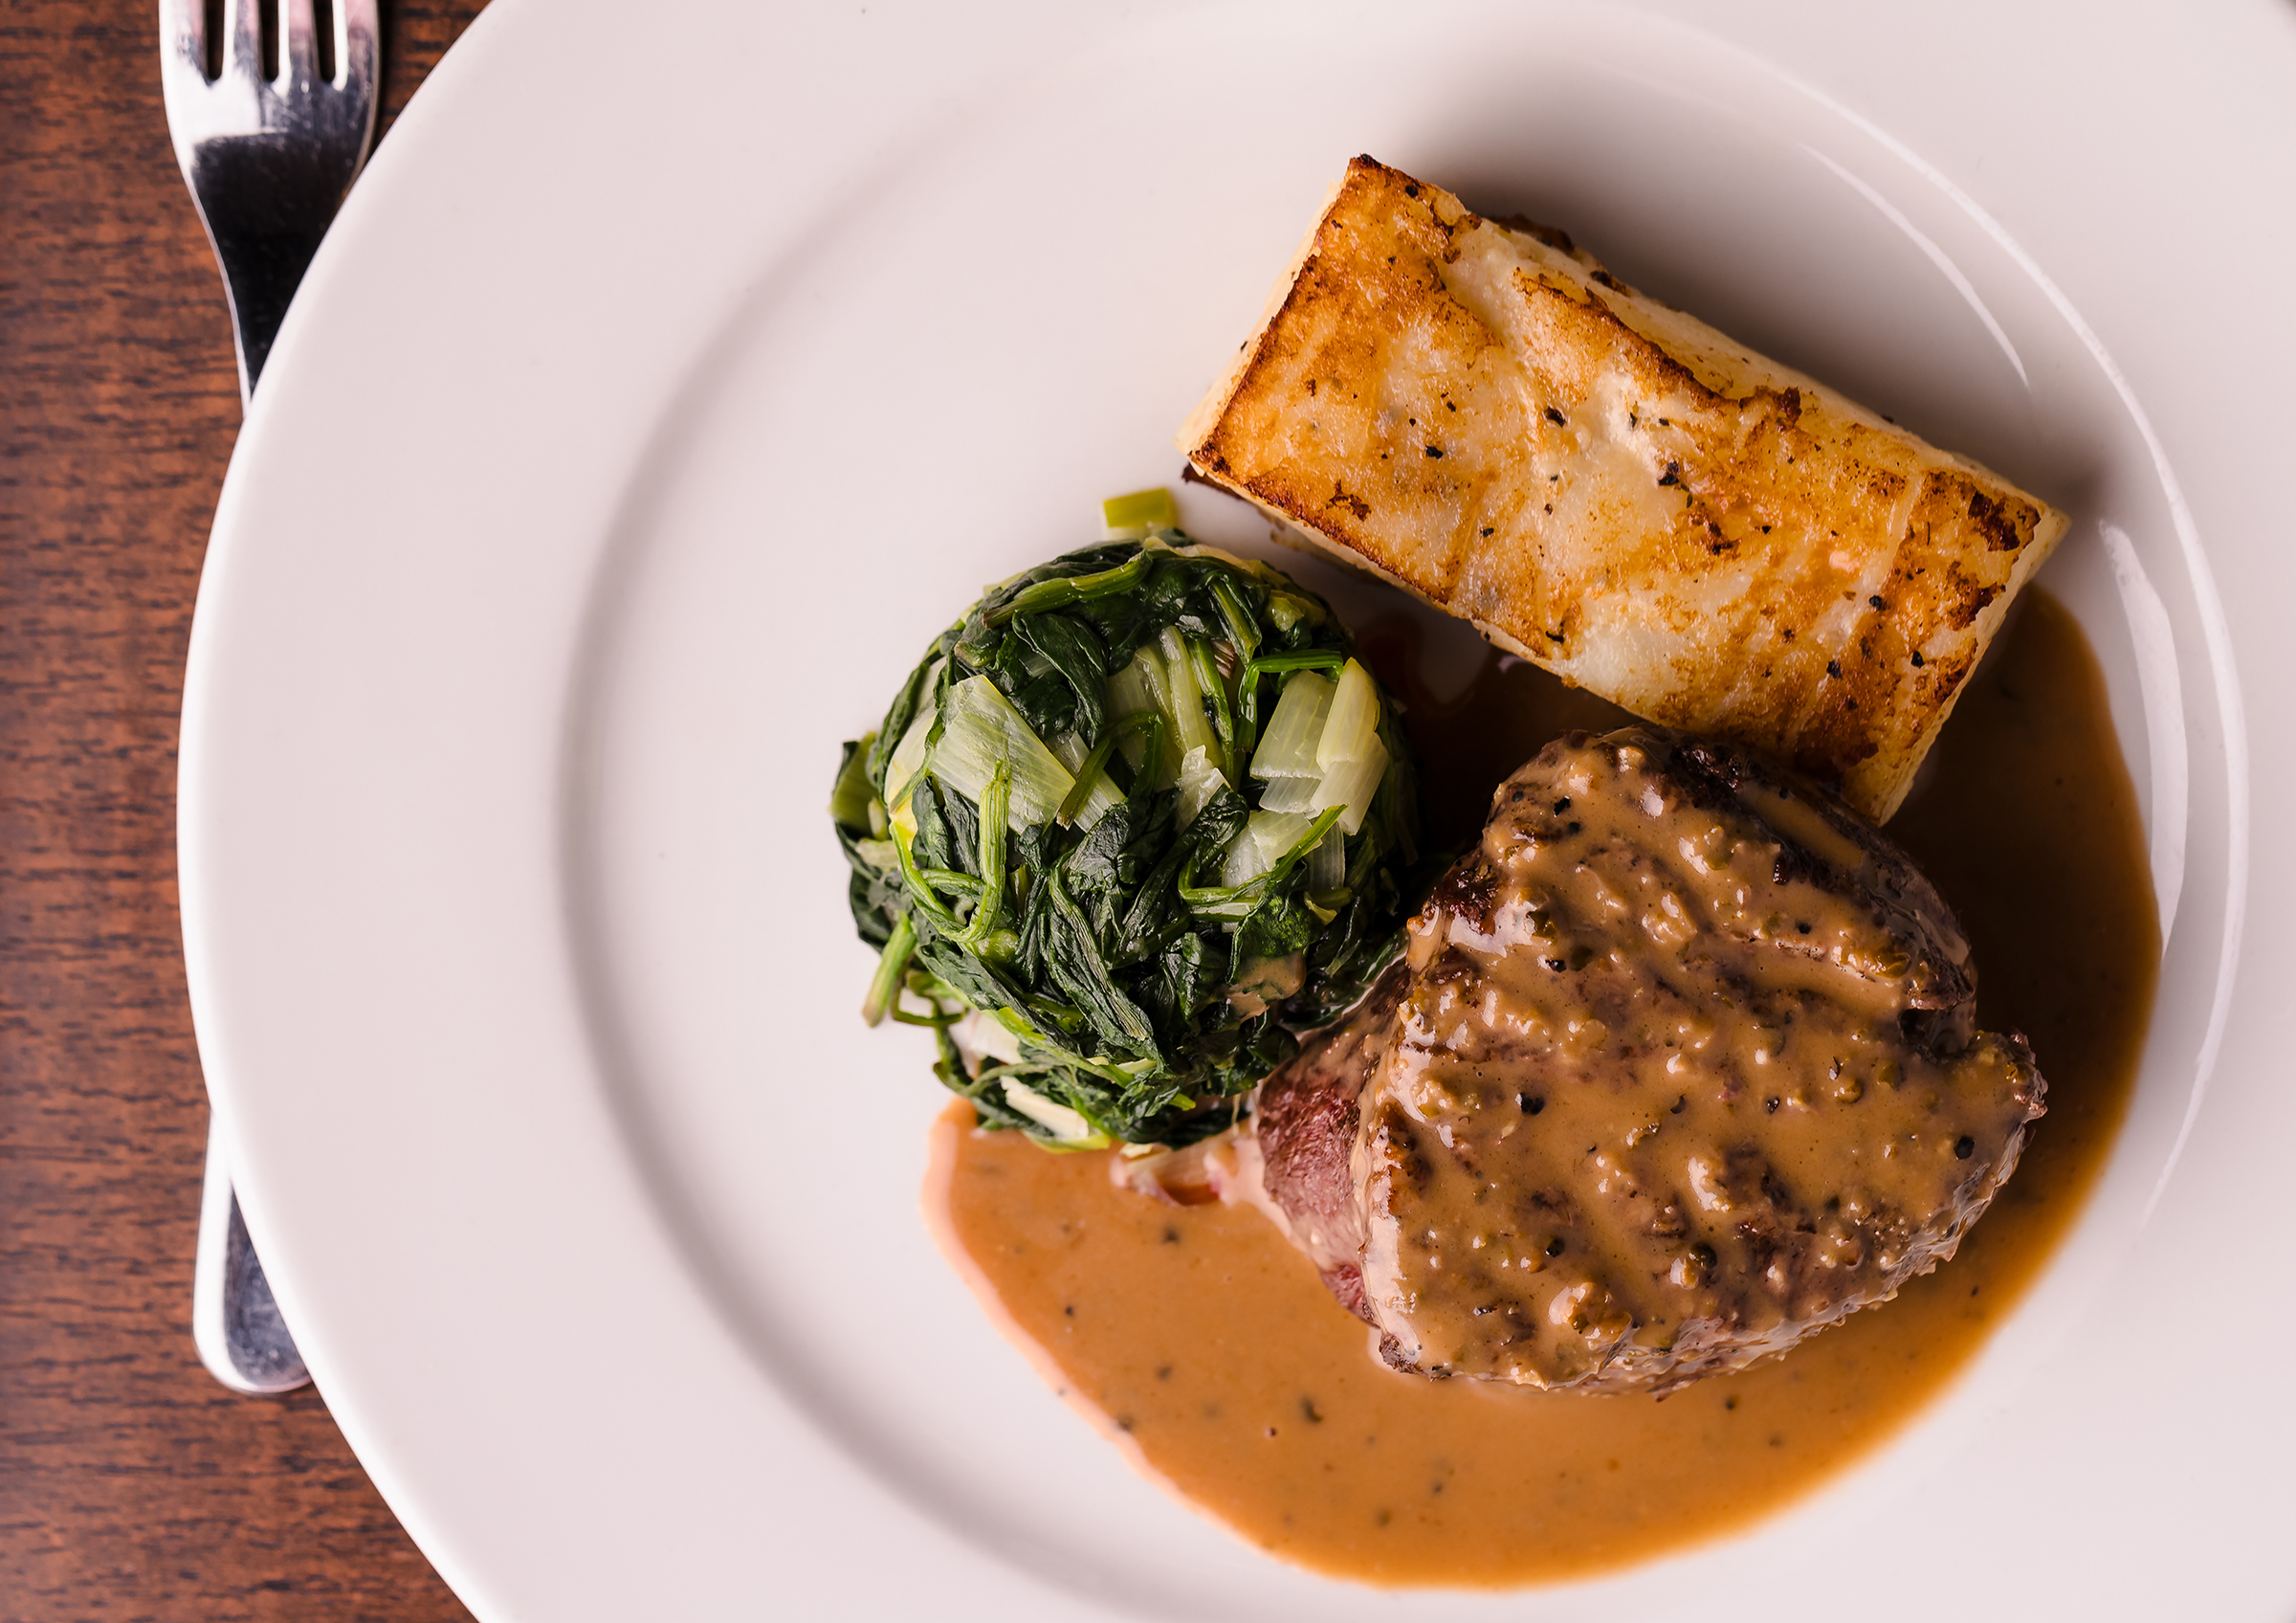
<point>1207,1348</point>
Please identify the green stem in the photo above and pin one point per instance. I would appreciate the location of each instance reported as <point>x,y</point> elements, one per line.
<point>996,821</point>
<point>1253,891</point>
<point>949,879</point>
<point>885,986</point>
<point>1071,589</point>
<point>1241,629</point>
<point>908,1019</point>
<point>1223,714</point>
<point>922,893</point>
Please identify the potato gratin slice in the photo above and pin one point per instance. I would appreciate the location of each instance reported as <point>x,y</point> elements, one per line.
<point>1615,491</point>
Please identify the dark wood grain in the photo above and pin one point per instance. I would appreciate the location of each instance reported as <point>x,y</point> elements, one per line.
<point>131,1485</point>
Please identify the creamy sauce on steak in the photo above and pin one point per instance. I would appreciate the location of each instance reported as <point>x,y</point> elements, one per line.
<point>1686,1069</point>
<point>1208,1349</point>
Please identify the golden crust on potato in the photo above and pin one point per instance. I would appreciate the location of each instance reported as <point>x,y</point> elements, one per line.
<point>1615,491</point>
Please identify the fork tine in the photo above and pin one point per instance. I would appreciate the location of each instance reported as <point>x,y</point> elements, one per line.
<point>243,38</point>
<point>298,42</point>
<point>182,44</point>
<point>355,45</point>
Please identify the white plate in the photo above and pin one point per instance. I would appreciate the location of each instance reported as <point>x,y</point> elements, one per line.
<point>664,388</point>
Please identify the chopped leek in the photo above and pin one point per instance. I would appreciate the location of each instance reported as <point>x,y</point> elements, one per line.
<point>984,731</point>
<point>1130,695</point>
<point>985,1036</point>
<point>1141,510</point>
<point>1288,612</point>
<point>1288,748</point>
<point>1276,833</point>
<point>1354,721</point>
<point>908,757</point>
<point>1264,842</point>
<point>1200,779</point>
<point>1289,794</point>
<point>1069,1128</point>
<point>1327,864</point>
<point>1352,784</point>
<point>1241,863</point>
<point>1184,694</point>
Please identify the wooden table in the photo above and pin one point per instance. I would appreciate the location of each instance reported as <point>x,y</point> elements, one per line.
<point>131,1484</point>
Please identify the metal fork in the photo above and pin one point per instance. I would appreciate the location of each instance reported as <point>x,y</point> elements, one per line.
<point>269,155</point>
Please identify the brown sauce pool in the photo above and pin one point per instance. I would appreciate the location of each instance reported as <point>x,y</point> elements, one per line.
<point>1203,1344</point>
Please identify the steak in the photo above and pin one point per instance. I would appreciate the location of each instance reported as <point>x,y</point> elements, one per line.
<point>1681,1066</point>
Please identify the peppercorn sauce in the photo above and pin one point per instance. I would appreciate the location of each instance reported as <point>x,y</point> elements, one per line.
<point>1209,1349</point>
<point>1686,1069</point>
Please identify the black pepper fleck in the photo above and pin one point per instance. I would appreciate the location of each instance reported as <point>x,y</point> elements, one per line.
<point>1964,1147</point>
<point>1877,602</point>
<point>1917,659</point>
<point>1833,668</point>
<point>1555,1246</point>
<point>1552,416</point>
<point>1531,1105</point>
<point>1434,453</point>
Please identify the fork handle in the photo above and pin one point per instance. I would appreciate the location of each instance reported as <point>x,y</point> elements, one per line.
<point>266,201</point>
<point>235,1322</point>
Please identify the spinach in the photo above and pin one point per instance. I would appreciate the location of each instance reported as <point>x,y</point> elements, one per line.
<point>1136,987</point>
